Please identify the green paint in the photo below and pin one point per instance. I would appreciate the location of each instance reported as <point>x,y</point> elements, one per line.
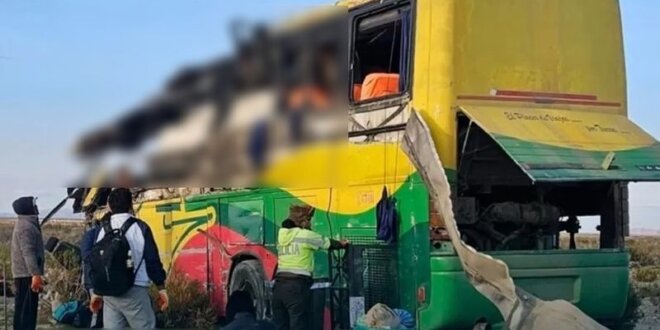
<point>546,163</point>
<point>168,207</point>
<point>597,281</point>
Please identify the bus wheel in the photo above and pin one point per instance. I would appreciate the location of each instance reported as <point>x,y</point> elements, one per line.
<point>249,276</point>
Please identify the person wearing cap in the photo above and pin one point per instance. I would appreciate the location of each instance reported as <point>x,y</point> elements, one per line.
<point>27,262</point>
<point>296,244</point>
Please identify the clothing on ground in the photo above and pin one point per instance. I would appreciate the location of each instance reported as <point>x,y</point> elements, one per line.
<point>26,304</point>
<point>27,247</point>
<point>130,310</point>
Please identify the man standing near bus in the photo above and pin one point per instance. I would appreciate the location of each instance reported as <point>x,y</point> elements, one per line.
<point>132,308</point>
<point>27,261</point>
<point>296,243</point>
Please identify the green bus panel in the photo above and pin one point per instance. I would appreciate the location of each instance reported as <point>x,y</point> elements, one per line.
<point>594,280</point>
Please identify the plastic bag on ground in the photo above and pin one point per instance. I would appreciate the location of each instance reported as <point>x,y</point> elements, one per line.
<point>382,317</point>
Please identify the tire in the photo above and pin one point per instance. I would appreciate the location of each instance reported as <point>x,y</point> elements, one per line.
<point>249,276</point>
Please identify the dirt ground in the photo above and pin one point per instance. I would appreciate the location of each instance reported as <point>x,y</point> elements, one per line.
<point>10,310</point>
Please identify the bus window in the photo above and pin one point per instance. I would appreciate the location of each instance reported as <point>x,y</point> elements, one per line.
<point>380,55</point>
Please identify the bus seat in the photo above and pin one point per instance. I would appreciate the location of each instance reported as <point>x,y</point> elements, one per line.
<point>357,92</point>
<point>379,85</point>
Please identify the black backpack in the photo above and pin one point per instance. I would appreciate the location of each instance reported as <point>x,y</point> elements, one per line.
<point>110,272</point>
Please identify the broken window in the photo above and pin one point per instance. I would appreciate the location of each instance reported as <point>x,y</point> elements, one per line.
<point>381,54</point>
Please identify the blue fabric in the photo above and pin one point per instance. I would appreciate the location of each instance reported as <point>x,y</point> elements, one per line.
<point>407,320</point>
<point>86,245</point>
<point>387,219</point>
<point>258,144</point>
<point>151,257</point>
<point>66,312</point>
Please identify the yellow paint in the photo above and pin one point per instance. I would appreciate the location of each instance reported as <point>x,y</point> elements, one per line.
<point>89,198</point>
<point>170,228</point>
<point>354,171</point>
<point>561,46</point>
<point>562,128</point>
<point>352,3</point>
<point>470,47</point>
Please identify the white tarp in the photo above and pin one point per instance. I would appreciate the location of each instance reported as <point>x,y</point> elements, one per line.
<point>489,276</point>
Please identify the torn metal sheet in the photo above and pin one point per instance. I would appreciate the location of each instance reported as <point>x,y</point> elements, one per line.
<point>553,145</point>
<point>489,276</point>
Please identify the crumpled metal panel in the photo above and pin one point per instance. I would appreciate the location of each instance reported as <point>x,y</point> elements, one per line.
<point>489,276</point>
<point>567,145</point>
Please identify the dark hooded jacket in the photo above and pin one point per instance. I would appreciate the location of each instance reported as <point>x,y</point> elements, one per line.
<point>27,246</point>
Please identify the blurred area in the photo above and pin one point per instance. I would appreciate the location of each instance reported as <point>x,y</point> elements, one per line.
<point>222,123</point>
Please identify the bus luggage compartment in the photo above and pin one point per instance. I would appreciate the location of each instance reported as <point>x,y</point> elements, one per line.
<point>597,281</point>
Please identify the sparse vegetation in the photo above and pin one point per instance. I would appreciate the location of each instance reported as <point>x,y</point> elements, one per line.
<point>645,251</point>
<point>63,283</point>
<point>647,274</point>
<point>189,304</point>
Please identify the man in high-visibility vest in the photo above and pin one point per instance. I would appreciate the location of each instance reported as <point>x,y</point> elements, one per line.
<point>296,243</point>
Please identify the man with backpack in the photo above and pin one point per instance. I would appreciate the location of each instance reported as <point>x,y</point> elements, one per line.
<point>122,264</point>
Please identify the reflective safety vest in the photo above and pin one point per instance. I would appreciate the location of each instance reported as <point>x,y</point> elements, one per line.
<point>295,249</point>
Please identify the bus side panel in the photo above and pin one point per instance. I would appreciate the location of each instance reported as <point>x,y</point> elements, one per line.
<point>159,219</point>
<point>414,245</point>
<point>576,276</point>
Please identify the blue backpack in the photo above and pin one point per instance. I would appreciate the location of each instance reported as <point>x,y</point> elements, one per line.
<point>66,312</point>
<point>76,314</point>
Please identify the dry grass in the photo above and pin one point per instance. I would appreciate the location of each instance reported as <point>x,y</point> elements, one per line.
<point>63,278</point>
<point>645,251</point>
<point>588,242</point>
<point>70,232</point>
<point>189,304</point>
<point>647,274</point>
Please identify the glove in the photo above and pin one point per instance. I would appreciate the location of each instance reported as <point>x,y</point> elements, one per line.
<point>163,300</point>
<point>95,304</point>
<point>37,284</point>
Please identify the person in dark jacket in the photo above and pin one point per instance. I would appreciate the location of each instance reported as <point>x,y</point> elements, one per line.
<point>27,260</point>
<point>132,309</point>
<point>86,244</point>
<point>242,314</point>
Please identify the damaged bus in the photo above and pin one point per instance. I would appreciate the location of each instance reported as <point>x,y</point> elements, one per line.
<point>526,102</point>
